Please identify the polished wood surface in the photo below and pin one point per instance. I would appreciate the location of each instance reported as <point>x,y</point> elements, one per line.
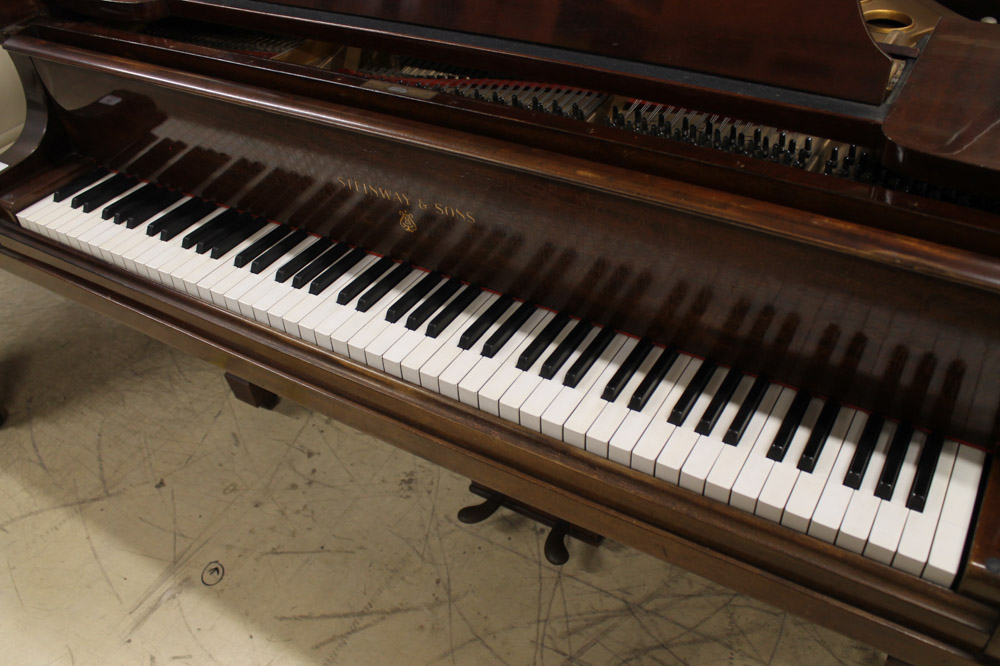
<point>819,47</point>
<point>885,300</point>
<point>862,203</point>
<point>956,82</point>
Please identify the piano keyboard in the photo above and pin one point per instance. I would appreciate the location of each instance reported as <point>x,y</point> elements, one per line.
<point>869,485</point>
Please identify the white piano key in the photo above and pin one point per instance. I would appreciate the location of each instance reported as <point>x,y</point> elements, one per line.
<point>395,339</point>
<point>202,266</point>
<point>809,486</point>
<point>264,282</point>
<point>677,449</point>
<point>172,267</point>
<point>592,385</point>
<point>959,503</point>
<point>720,481</point>
<point>659,431</point>
<point>35,211</point>
<point>413,370</point>
<point>709,447</point>
<point>918,533</point>
<point>524,382</point>
<point>455,373</point>
<point>861,510</point>
<point>302,320</point>
<point>782,477</point>
<point>257,302</point>
<point>392,360</point>
<point>474,386</point>
<point>757,466</point>
<point>625,439</point>
<point>832,505</point>
<point>448,349</point>
<point>891,517</point>
<point>595,422</point>
<point>531,410</point>
<point>359,343</point>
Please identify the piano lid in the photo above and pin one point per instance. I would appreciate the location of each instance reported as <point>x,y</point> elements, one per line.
<point>820,47</point>
<point>817,47</point>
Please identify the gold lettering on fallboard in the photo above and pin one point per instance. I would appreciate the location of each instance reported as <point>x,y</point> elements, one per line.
<point>406,219</point>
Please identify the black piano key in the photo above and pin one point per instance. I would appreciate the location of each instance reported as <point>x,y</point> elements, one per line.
<point>138,215</point>
<point>820,433</point>
<point>586,360</point>
<point>452,310</point>
<point>627,369</point>
<point>926,466</point>
<point>565,348</point>
<point>278,250</point>
<point>97,192</point>
<point>78,183</point>
<point>260,245</point>
<point>686,402</point>
<point>143,194</point>
<point>383,286</point>
<point>749,407</point>
<point>719,402</point>
<point>431,305</point>
<point>249,225</point>
<point>109,190</point>
<point>363,281</point>
<point>336,270</point>
<point>478,328</point>
<point>507,329</point>
<point>207,230</point>
<point>109,194</point>
<point>542,341</point>
<point>302,259</point>
<point>413,295</point>
<point>317,266</point>
<point>148,196</point>
<point>235,223</point>
<point>863,453</point>
<point>181,224</point>
<point>790,424</point>
<point>652,380</point>
<point>182,212</point>
<point>894,461</point>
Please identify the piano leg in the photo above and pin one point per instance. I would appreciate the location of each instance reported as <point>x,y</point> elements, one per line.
<point>3,416</point>
<point>248,393</point>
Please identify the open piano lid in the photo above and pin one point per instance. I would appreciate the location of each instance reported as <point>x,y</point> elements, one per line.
<point>817,47</point>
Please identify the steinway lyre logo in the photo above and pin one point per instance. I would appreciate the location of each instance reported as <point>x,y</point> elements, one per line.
<point>406,221</point>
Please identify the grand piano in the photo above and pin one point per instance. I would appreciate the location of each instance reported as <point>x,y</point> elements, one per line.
<point>721,285</point>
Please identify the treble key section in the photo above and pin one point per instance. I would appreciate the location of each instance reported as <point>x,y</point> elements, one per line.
<point>867,484</point>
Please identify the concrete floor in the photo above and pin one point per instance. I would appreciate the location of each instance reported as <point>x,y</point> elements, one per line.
<point>130,478</point>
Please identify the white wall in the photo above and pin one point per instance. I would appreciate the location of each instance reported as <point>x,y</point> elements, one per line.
<point>11,102</point>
